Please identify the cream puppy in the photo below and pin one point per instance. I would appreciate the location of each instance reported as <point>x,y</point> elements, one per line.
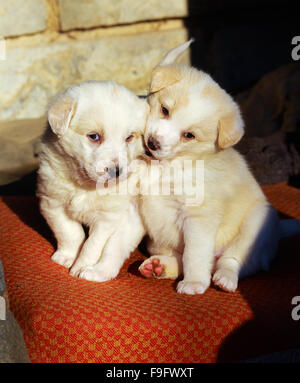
<point>232,231</point>
<point>94,134</point>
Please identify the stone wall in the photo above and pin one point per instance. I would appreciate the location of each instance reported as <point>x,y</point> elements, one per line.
<point>52,44</point>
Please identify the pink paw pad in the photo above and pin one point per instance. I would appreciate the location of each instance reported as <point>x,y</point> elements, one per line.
<point>152,269</point>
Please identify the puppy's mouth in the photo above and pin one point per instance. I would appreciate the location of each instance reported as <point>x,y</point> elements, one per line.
<point>148,153</point>
<point>157,155</point>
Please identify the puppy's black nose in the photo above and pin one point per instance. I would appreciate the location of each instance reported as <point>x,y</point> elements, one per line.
<point>153,144</point>
<point>114,172</point>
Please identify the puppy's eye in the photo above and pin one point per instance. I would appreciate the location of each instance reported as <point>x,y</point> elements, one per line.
<point>188,136</point>
<point>129,138</point>
<point>94,137</point>
<point>164,111</point>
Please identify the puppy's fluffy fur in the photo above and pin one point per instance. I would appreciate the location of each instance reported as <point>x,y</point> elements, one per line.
<point>191,117</point>
<point>93,126</point>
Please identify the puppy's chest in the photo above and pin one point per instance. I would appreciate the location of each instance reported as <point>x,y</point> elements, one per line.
<point>88,207</point>
<point>163,217</point>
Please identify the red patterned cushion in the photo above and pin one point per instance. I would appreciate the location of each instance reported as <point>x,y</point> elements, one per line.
<point>132,319</point>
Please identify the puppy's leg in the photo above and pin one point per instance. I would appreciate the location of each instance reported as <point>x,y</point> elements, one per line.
<point>92,249</point>
<point>165,263</point>
<point>117,249</point>
<point>229,264</point>
<point>198,255</point>
<point>68,233</point>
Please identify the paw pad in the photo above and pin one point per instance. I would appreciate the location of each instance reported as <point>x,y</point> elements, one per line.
<point>152,269</point>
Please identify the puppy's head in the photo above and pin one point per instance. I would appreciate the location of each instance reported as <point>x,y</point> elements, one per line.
<point>189,113</point>
<point>99,127</point>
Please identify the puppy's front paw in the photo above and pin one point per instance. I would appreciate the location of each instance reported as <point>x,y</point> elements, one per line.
<point>78,267</point>
<point>191,288</point>
<point>91,273</point>
<point>226,279</point>
<point>75,270</point>
<point>63,258</point>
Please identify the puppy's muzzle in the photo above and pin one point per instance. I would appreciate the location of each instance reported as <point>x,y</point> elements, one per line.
<point>153,144</point>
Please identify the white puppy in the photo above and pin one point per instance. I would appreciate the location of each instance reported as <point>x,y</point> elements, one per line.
<point>233,231</point>
<point>95,133</point>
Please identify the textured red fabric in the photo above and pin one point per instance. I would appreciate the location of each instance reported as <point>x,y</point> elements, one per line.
<point>133,319</point>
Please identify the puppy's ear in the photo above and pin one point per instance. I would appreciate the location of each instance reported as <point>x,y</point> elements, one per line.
<point>163,76</point>
<point>174,53</point>
<point>230,130</point>
<point>60,114</point>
